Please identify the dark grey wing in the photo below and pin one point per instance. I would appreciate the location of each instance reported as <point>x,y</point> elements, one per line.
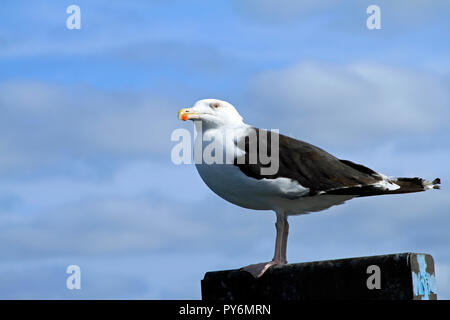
<point>310,166</point>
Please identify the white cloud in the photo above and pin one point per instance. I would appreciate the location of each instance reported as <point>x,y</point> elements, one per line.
<point>352,104</point>
<point>97,226</point>
<point>43,124</point>
<point>134,179</point>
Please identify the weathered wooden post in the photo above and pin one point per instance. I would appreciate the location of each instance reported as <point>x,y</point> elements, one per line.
<point>403,276</point>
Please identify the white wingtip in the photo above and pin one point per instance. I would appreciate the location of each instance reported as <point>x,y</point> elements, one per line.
<point>387,183</point>
<point>427,185</point>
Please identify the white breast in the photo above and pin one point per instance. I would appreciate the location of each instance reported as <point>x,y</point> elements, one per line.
<point>228,182</point>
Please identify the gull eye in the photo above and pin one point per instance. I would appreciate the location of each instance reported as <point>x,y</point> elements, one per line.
<point>215,105</point>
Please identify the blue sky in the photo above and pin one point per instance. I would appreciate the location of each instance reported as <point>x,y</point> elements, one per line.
<point>86,117</point>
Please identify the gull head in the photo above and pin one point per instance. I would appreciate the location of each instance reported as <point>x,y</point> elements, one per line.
<point>212,113</point>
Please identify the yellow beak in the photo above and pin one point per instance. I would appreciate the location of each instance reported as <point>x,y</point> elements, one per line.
<point>187,114</point>
<point>182,114</point>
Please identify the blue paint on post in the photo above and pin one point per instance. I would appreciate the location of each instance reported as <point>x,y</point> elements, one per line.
<point>423,283</point>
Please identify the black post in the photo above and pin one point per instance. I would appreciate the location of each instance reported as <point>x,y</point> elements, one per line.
<point>403,276</point>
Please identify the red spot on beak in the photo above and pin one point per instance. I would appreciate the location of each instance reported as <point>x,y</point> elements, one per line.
<point>184,117</point>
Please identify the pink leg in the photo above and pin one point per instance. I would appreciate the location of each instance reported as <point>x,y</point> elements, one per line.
<point>282,226</point>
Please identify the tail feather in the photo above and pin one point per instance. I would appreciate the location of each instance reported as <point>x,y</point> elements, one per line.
<point>416,184</point>
<point>405,185</point>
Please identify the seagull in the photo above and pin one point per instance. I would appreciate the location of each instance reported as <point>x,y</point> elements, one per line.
<point>305,178</point>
